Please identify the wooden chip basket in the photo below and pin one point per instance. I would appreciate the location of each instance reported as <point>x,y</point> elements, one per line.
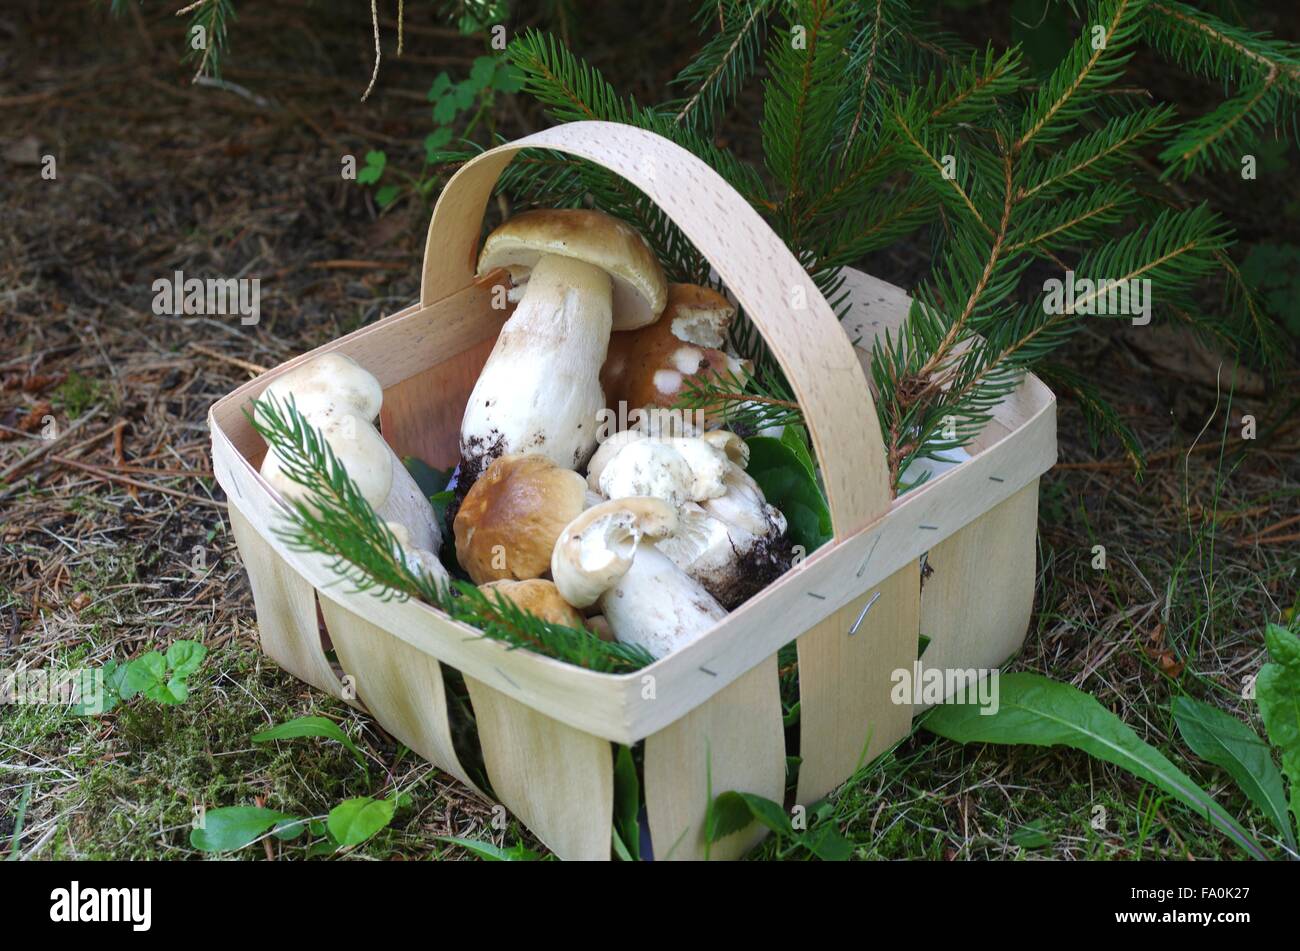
<point>710,713</point>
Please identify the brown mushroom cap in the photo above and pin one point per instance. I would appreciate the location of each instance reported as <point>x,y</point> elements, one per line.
<point>508,523</point>
<point>540,598</point>
<point>640,288</point>
<point>653,366</point>
<point>698,315</point>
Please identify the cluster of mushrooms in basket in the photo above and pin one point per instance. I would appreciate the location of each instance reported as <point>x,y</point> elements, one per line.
<point>649,534</point>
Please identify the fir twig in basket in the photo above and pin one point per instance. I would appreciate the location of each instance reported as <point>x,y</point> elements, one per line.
<point>337,521</point>
<point>743,402</point>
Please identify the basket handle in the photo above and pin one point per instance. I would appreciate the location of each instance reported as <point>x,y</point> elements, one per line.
<point>754,264</point>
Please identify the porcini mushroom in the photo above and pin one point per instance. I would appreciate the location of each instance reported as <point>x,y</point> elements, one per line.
<point>656,365</point>
<point>578,275</point>
<point>732,544</point>
<point>510,518</point>
<point>341,399</point>
<point>538,597</point>
<point>729,536</point>
<point>607,557</point>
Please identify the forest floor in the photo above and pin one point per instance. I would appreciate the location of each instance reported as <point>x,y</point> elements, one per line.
<point>114,537</point>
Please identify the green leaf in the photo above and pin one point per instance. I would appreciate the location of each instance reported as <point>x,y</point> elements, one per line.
<point>310,726</point>
<point>324,847</point>
<point>728,813</point>
<point>481,72</point>
<point>386,195</point>
<point>1225,741</point>
<point>233,827</point>
<point>174,691</point>
<point>290,829</point>
<point>353,821</point>
<point>184,657</point>
<point>1036,711</point>
<point>827,843</point>
<point>434,142</point>
<point>508,78</point>
<point>1277,688</point>
<point>112,674</point>
<point>115,677</point>
<point>440,501</point>
<point>441,83</point>
<point>627,805</point>
<point>732,811</point>
<point>374,167</point>
<point>444,111</point>
<point>430,480</point>
<point>795,438</point>
<point>145,672</point>
<point>465,93</point>
<point>789,485</point>
<point>791,716</point>
<point>1032,835</point>
<point>493,853</point>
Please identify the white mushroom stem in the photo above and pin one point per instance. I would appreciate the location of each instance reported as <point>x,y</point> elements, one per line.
<point>418,560</point>
<point>658,606</point>
<point>340,399</point>
<point>606,557</point>
<point>540,390</point>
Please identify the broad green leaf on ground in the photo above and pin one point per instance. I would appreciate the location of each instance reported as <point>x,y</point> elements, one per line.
<point>353,821</point>
<point>184,657</point>
<point>233,827</point>
<point>1225,741</point>
<point>147,670</point>
<point>310,726</point>
<point>787,483</point>
<point>727,813</point>
<point>89,703</point>
<point>732,811</point>
<point>493,853</point>
<point>827,844</point>
<point>1277,688</point>
<point>1032,835</point>
<point>1037,711</point>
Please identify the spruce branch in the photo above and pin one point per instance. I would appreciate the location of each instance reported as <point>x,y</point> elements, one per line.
<point>742,401</point>
<point>1265,72</point>
<point>213,18</point>
<point>719,70</point>
<point>1089,66</point>
<point>334,519</point>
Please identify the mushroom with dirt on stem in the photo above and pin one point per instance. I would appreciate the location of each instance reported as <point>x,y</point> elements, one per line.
<point>729,538</point>
<point>338,397</point>
<point>578,275</point>
<point>607,557</point>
